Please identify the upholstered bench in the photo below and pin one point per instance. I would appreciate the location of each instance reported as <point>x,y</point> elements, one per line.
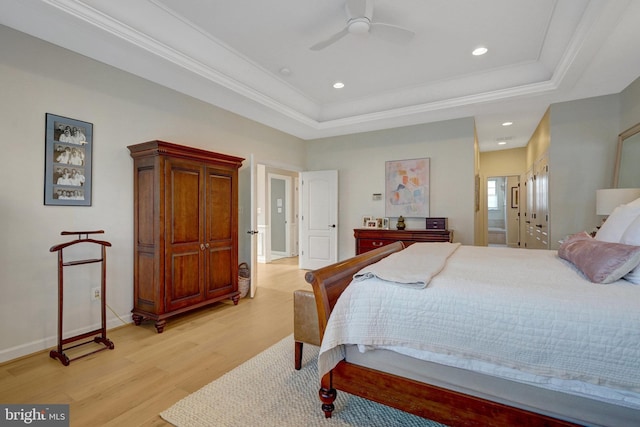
<point>305,323</point>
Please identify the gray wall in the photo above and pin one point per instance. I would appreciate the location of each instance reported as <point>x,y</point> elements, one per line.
<point>581,161</point>
<point>630,101</point>
<point>278,215</point>
<point>360,161</point>
<point>38,78</point>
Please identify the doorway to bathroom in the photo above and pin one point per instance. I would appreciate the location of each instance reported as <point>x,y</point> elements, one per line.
<point>503,211</point>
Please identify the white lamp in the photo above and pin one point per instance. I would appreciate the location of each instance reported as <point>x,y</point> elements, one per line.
<point>610,198</point>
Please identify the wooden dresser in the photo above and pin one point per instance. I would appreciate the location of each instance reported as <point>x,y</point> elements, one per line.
<point>185,230</point>
<point>372,238</point>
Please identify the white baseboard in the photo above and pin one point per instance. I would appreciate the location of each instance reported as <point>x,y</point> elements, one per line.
<point>52,342</point>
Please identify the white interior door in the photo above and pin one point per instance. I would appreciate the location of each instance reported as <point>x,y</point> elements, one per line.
<point>247,226</point>
<point>318,219</point>
<point>253,231</point>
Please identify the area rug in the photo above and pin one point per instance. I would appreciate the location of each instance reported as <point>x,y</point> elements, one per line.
<point>267,391</point>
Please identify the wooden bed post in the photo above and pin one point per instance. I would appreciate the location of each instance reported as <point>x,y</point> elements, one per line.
<point>327,395</point>
<point>328,283</point>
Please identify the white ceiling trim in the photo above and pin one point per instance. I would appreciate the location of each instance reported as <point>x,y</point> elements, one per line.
<point>588,37</point>
<point>447,104</point>
<point>150,44</point>
<point>166,48</point>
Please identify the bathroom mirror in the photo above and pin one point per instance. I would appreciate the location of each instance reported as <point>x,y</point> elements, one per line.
<point>627,172</point>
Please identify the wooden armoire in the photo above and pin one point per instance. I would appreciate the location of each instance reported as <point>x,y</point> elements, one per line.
<point>185,229</point>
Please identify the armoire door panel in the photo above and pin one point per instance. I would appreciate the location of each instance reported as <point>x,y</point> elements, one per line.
<point>146,293</point>
<point>145,212</point>
<point>184,203</point>
<point>219,278</point>
<point>219,198</point>
<point>184,287</point>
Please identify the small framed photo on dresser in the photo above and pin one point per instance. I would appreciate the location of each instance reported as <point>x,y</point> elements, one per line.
<point>382,223</point>
<point>67,167</point>
<point>372,223</point>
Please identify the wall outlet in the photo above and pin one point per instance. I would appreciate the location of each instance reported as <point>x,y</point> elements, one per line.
<point>96,293</point>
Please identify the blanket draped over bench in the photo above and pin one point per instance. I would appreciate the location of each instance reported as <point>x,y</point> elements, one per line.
<point>528,316</point>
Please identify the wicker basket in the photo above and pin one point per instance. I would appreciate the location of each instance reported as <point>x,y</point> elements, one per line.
<point>244,279</point>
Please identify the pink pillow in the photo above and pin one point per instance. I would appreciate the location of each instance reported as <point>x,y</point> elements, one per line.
<point>601,262</point>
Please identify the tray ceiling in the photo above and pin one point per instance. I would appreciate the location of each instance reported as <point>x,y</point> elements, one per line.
<point>254,58</point>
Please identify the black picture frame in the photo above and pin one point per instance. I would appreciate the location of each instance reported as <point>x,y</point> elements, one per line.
<point>68,161</point>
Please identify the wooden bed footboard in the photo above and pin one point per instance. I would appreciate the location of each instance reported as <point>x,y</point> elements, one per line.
<point>425,400</point>
<point>329,282</point>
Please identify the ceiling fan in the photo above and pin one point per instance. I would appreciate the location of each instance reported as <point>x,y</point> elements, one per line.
<point>360,21</point>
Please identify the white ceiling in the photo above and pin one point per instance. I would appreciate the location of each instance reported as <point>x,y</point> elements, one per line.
<point>230,52</point>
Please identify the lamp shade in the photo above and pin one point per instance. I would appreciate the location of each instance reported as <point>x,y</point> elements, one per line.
<point>610,198</point>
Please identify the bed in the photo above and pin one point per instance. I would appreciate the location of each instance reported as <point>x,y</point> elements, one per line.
<point>462,341</point>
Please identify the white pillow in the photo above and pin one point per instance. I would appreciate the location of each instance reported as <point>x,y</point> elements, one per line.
<point>618,222</point>
<point>631,236</point>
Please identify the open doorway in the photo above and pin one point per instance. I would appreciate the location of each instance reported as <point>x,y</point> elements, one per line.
<point>277,226</point>
<point>277,213</point>
<point>279,200</point>
<point>503,211</point>
<point>254,226</point>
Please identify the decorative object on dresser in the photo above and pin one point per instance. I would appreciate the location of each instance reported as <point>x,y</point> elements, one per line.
<point>437,223</point>
<point>383,223</point>
<point>366,220</point>
<point>369,239</point>
<point>185,229</point>
<point>373,222</point>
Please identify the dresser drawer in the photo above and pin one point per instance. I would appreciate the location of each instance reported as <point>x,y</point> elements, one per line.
<point>370,238</point>
<point>365,245</point>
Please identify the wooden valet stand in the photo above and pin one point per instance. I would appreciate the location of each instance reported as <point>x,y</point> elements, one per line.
<point>102,331</point>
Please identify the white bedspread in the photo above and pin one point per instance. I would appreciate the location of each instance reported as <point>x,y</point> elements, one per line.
<point>414,267</point>
<point>525,310</point>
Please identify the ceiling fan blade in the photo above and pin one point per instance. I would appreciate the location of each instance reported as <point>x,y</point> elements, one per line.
<point>359,8</point>
<point>331,40</point>
<point>392,33</point>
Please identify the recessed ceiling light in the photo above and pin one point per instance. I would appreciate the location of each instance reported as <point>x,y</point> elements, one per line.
<point>507,123</point>
<point>480,51</point>
<point>338,85</point>
<point>502,143</point>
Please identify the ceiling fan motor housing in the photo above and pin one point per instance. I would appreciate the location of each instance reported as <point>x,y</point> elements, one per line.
<point>359,25</point>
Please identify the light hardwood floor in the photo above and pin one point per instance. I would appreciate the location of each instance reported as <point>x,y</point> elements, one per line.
<point>148,372</point>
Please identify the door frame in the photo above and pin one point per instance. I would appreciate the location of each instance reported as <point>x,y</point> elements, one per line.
<point>510,213</point>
